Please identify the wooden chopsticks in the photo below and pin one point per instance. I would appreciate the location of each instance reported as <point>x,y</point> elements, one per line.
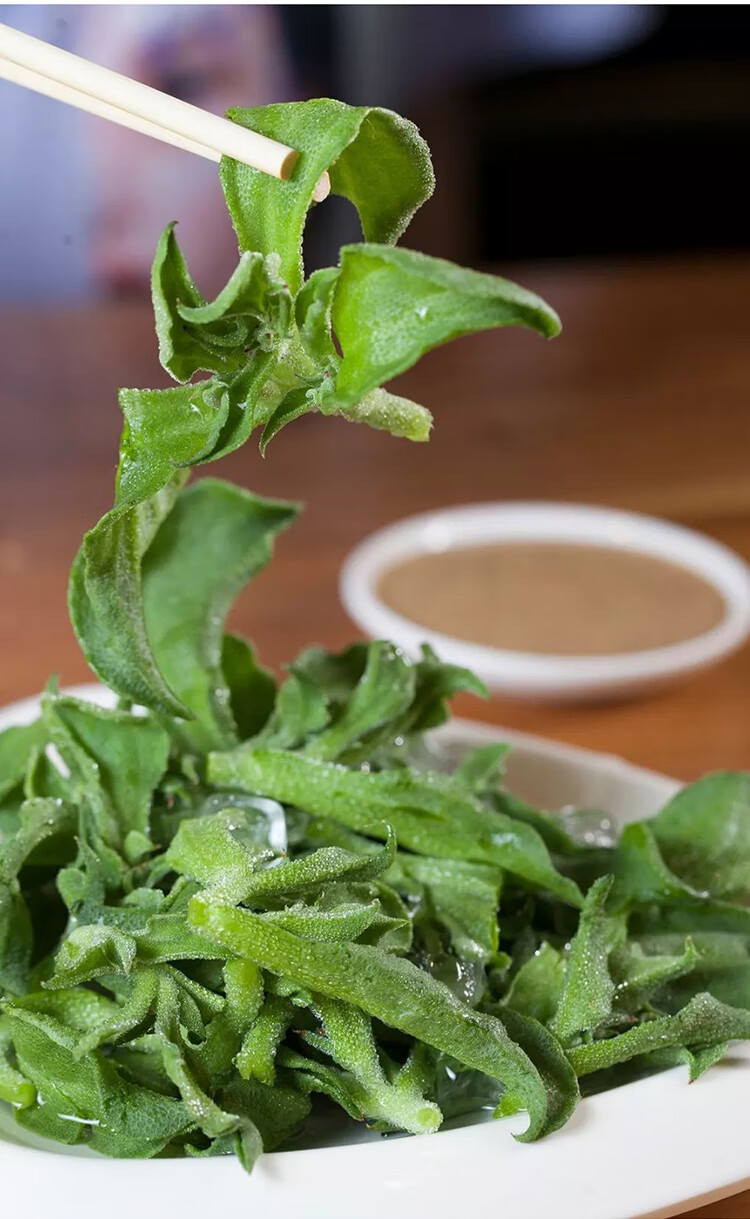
<point>70,78</point>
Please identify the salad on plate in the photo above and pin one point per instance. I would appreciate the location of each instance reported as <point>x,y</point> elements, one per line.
<point>230,906</point>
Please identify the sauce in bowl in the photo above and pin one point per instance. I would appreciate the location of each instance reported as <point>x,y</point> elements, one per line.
<point>553,598</point>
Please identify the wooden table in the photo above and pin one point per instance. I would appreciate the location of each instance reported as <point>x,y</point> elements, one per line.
<point>642,403</point>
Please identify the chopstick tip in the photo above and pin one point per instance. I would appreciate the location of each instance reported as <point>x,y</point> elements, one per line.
<point>287,167</point>
<point>322,188</point>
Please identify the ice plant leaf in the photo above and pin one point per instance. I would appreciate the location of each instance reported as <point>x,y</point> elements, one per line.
<point>396,1102</point>
<point>390,306</point>
<point>536,988</point>
<point>389,413</point>
<point>385,689</point>
<point>586,997</point>
<point>310,873</point>
<point>556,1072</point>
<point>704,834</point>
<point>216,852</point>
<point>462,897</point>
<point>17,746</point>
<point>165,429</point>
<point>115,756</point>
<point>214,540</point>
<point>385,986</point>
<point>313,316</point>
<point>704,1021</point>
<point>105,599</point>
<point>254,298</point>
<point>252,689</point>
<point>377,160</point>
<point>429,813</point>
<point>181,350</point>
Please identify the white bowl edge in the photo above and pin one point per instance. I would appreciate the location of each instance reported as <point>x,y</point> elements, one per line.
<point>531,675</point>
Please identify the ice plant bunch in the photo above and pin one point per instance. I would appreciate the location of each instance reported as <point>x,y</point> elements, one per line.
<point>229,902</point>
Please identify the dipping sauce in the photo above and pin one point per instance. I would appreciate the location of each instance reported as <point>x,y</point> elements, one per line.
<point>553,598</point>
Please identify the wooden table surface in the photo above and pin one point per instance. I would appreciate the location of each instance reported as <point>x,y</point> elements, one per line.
<point>641,403</point>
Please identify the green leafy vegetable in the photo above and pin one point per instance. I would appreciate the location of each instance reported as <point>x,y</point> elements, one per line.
<point>274,948</point>
<point>253,309</point>
<point>214,540</point>
<point>228,897</point>
<point>116,760</point>
<point>390,306</point>
<point>536,988</point>
<point>397,1102</point>
<point>385,689</point>
<point>704,834</point>
<point>17,746</point>
<point>586,996</point>
<point>268,340</point>
<point>377,160</point>
<point>703,1022</point>
<point>252,689</point>
<point>165,429</point>
<point>387,987</point>
<point>430,813</point>
<point>105,599</point>
<point>181,350</point>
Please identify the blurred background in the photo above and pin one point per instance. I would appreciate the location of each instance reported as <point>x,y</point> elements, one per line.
<point>558,131</point>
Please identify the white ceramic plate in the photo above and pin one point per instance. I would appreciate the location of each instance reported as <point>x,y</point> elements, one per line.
<point>527,674</point>
<point>651,1148</point>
